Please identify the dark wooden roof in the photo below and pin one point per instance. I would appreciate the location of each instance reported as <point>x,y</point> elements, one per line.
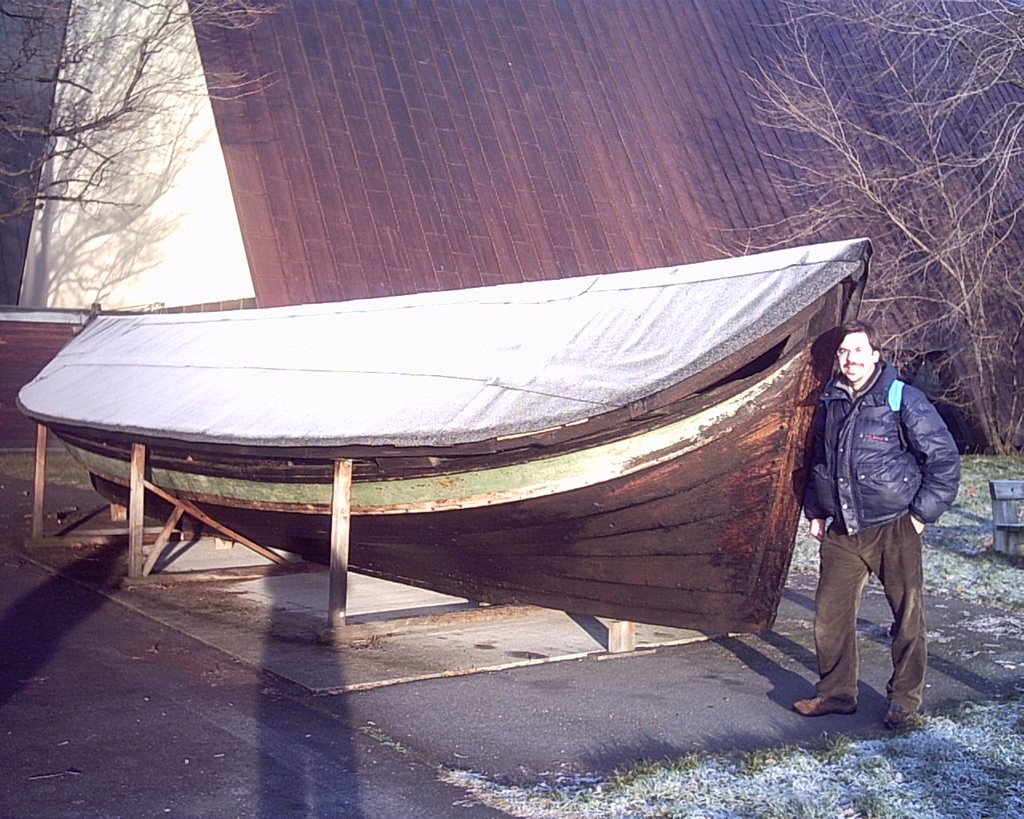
<point>396,146</point>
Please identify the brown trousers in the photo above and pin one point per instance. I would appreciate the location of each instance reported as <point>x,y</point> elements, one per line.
<point>893,553</point>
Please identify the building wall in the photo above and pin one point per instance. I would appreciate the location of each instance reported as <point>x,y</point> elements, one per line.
<point>157,227</point>
<point>31,36</point>
<point>28,340</point>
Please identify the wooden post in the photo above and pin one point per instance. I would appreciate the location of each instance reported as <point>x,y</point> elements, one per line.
<point>39,487</point>
<point>341,501</point>
<point>621,636</point>
<point>136,511</point>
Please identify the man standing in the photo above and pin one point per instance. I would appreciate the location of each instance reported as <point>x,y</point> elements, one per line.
<point>883,465</point>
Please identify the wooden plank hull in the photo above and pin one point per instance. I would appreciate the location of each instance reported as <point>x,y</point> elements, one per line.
<point>685,543</point>
<point>694,529</point>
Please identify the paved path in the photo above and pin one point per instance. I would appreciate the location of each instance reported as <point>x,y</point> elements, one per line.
<point>107,708</point>
<point>106,713</point>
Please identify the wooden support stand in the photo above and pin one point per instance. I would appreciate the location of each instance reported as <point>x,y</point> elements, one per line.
<point>194,511</point>
<point>39,486</point>
<point>136,511</point>
<point>140,564</point>
<point>621,636</point>
<point>341,504</point>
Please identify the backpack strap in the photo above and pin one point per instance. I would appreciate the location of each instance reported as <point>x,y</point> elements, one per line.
<point>896,395</point>
<point>895,400</point>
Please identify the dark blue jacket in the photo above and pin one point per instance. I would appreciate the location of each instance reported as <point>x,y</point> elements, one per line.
<point>864,472</point>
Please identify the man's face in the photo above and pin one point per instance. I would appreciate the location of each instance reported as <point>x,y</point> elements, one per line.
<point>857,359</point>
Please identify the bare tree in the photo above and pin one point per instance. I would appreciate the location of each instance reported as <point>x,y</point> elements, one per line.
<point>65,107</point>
<point>909,117</point>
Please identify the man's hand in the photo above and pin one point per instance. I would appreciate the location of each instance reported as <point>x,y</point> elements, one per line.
<point>818,528</point>
<point>918,525</point>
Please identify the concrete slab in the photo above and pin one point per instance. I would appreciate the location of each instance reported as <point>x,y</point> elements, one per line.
<point>399,633</point>
<point>369,599</point>
<point>209,553</point>
<point>394,634</point>
<point>245,606</point>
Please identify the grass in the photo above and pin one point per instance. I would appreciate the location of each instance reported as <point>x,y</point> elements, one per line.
<point>965,764</point>
<point>61,468</point>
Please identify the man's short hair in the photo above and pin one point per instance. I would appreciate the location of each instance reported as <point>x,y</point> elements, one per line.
<point>860,326</point>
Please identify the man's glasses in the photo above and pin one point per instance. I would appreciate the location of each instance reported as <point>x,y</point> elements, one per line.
<point>842,352</point>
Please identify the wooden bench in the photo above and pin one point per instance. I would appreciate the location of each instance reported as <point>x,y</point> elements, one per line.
<point>1007,525</point>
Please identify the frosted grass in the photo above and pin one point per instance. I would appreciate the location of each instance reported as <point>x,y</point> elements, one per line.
<point>969,764</point>
<point>966,764</point>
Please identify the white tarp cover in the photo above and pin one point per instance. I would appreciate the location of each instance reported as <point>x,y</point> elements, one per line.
<point>430,369</point>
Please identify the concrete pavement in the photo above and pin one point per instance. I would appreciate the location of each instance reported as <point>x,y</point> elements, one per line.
<point>218,699</point>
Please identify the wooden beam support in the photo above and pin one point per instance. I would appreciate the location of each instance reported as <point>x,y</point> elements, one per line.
<point>136,511</point>
<point>341,507</point>
<point>39,486</point>
<point>162,539</point>
<point>194,511</point>
<point>621,636</point>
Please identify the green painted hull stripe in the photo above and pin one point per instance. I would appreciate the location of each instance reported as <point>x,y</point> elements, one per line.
<point>485,487</point>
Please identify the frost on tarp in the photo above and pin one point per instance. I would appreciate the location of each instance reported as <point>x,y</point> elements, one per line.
<point>429,369</point>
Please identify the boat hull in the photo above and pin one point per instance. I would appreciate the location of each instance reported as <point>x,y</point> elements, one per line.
<point>701,541</point>
<point>691,526</point>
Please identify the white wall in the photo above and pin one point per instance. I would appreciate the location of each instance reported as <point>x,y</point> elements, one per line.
<point>157,226</point>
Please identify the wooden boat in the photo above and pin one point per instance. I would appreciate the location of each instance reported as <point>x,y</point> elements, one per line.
<point>628,445</point>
